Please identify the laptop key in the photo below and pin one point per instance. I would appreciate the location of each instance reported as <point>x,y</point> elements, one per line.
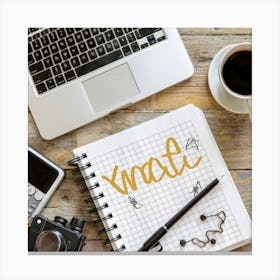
<point>161,38</point>
<point>41,88</point>
<point>91,44</point>
<point>100,39</point>
<point>46,51</point>
<point>59,80</point>
<point>131,38</point>
<point>65,65</point>
<point>48,62</point>
<point>94,31</point>
<point>45,41</point>
<point>70,41</point>
<point>37,67</point>
<point>126,30</point>
<point>135,47</point>
<point>116,44</point>
<point>82,47</point>
<point>42,76</point>
<point>86,33</point>
<point>70,75</point>
<point>100,50</point>
<point>45,31</point>
<point>54,48</point>
<point>75,62</point>
<point>53,36</point>
<point>74,50</point>
<point>84,58</point>
<point>97,63</point>
<point>29,48</point>
<point>30,59</point>
<point>36,44</point>
<point>78,37</point>
<point>31,30</point>
<point>92,54</point>
<point>36,36</point>
<point>126,50</point>
<point>50,84</point>
<point>145,45</point>
<point>57,58</point>
<point>65,54</point>
<point>118,32</point>
<point>61,33</point>
<point>38,55</point>
<point>70,30</point>
<point>62,44</point>
<point>143,32</point>
<point>109,47</point>
<point>123,41</point>
<point>109,35</point>
<point>56,70</point>
<point>151,39</point>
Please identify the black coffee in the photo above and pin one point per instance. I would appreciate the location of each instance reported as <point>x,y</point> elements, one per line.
<point>237,72</point>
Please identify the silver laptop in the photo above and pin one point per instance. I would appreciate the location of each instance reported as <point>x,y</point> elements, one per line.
<point>78,75</point>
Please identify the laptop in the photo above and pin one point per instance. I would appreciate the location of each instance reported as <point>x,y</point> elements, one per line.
<point>78,75</point>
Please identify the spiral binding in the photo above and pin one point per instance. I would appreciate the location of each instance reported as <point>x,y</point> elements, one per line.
<point>74,161</point>
<point>77,169</point>
<point>122,248</point>
<point>96,209</point>
<point>109,216</point>
<point>94,186</point>
<point>114,226</point>
<point>91,175</point>
<point>82,181</point>
<point>109,241</point>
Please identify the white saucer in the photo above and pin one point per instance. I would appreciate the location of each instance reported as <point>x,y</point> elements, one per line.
<point>225,100</point>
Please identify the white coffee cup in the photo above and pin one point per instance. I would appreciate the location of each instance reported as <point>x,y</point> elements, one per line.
<point>229,52</point>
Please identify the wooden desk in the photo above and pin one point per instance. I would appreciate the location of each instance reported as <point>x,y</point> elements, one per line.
<point>232,132</point>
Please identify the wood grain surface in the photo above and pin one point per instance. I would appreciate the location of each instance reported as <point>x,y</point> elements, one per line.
<point>231,131</point>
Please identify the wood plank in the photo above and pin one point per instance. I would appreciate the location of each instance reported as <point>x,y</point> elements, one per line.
<point>246,248</point>
<point>95,246</point>
<point>243,182</point>
<point>215,31</point>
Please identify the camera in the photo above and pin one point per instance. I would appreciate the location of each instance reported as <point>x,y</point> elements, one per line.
<point>53,236</point>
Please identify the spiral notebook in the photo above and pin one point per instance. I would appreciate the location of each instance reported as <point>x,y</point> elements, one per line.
<point>139,178</point>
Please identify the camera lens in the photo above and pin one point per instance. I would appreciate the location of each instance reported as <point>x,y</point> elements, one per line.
<point>60,220</point>
<point>77,224</point>
<point>50,241</point>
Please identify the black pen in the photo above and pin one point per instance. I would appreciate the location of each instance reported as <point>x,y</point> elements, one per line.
<point>151,242</point>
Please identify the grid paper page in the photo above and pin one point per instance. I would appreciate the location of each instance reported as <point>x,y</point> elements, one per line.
<point>141,212</point>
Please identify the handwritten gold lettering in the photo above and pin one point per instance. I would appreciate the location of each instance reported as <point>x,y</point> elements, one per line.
<point>146,170</point>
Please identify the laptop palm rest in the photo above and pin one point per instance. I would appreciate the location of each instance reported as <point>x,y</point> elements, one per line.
<point>110,88</point>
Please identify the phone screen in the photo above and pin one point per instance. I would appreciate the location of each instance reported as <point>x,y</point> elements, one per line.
<point>40,174</point>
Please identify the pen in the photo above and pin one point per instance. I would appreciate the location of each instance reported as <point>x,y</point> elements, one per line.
<point>150,243</point>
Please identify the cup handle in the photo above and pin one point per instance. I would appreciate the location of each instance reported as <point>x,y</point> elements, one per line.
<point>249,103</point>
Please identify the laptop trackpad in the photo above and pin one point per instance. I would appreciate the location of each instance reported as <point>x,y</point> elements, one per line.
<point>112,87</point>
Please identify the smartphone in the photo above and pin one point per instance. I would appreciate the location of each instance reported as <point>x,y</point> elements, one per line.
<point>44,176</point>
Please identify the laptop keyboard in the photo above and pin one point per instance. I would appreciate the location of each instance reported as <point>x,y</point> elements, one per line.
<point>60,55</point>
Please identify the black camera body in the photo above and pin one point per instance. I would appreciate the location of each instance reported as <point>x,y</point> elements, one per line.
<point>54,236</point>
